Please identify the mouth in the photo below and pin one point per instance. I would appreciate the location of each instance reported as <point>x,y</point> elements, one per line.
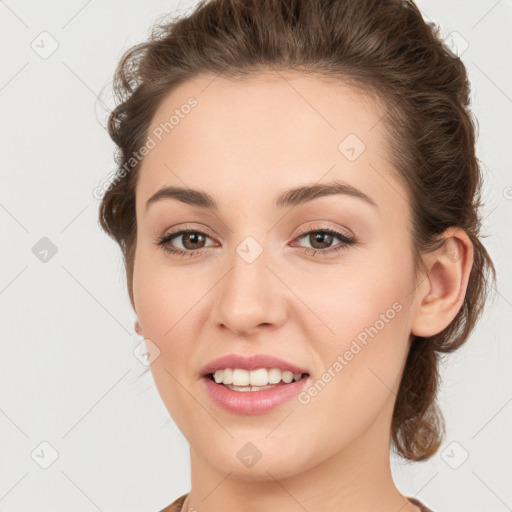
<point>253,385</point>
<point>254,381</point>
<point>256,392</point>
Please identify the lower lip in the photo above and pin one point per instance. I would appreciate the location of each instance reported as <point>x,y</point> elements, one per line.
<point>252,402</point>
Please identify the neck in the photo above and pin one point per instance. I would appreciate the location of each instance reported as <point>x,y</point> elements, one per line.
<point>357,477</point>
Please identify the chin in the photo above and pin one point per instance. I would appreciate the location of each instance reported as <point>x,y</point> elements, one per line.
<point>256,460</point>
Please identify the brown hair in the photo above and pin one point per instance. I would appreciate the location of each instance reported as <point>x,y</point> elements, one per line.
<point>381,46</point>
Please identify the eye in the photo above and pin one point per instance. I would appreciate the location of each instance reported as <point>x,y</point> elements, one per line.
<point>193,241</point>
<point>322,237</point>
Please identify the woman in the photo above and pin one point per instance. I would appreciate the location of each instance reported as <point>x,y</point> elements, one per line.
<point>297,205</point>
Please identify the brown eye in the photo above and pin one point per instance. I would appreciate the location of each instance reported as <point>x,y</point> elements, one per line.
<point>321,241</point>
<point>193,240</point>
<point>324,240</point>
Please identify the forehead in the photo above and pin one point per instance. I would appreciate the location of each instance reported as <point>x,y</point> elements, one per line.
<point>278,129</point>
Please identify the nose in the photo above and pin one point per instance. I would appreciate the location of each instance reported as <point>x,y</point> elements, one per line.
<point>249,297</point>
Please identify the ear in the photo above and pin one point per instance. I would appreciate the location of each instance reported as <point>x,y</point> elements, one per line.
<point>138,328</point>
<point>130,294</point>
<point>441,293</point>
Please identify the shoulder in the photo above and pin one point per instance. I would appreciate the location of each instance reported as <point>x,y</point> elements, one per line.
<point>176,505</point>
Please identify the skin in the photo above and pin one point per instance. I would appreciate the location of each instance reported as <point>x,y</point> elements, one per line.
<point>245,143</point>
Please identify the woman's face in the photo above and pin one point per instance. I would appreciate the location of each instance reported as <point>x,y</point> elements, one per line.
<point>260,275</point>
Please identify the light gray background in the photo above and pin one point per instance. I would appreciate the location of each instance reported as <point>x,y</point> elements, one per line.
<point>68,375</point>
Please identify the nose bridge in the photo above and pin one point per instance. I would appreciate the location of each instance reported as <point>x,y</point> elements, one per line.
<point>248,295</point>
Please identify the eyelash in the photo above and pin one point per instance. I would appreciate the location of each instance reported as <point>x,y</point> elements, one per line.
<point>345,242</point>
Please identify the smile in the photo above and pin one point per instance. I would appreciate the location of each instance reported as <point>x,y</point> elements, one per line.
<point>248,399</point>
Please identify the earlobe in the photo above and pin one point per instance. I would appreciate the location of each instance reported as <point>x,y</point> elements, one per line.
<point>138,328</point>
<point>448,267</point>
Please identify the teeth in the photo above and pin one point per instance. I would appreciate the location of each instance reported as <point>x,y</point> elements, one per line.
<point>254,378</point>
<point>227,376</point>
<point>249,388</point>
<point>287,377</point>
<point>274,376</point>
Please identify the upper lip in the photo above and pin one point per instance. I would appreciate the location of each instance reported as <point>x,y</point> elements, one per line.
<point>250,363</point>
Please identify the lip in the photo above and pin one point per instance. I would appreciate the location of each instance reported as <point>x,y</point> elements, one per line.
<point>251,363</point>
<point>252,402</point>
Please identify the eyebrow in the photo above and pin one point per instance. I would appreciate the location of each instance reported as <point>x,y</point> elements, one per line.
<point>292,197</point>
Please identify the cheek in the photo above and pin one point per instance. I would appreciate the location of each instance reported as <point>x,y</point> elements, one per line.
<point>160,293</point>
<point>366,310</point>
<point>162,301</point>
<point>370,291</point>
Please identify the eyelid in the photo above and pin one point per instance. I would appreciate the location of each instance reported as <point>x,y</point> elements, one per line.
<point>346,241</point>
<point>190,227</point>
<point>307,229</point>
<point>323,225</point>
